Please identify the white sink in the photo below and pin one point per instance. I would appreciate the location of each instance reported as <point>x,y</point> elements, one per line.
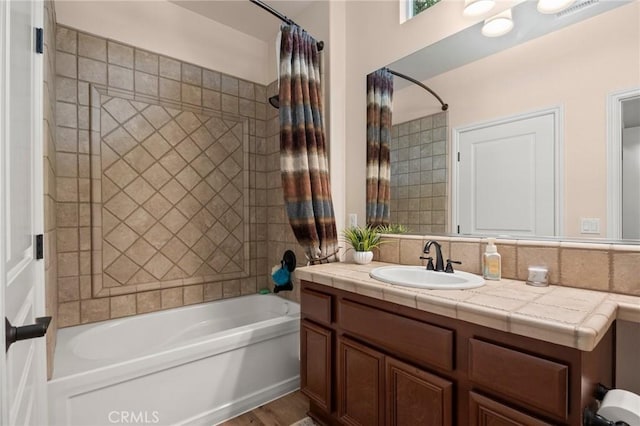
<point>419,277</point>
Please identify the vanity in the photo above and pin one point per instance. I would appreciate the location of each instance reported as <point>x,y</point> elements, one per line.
<point>378,354</point>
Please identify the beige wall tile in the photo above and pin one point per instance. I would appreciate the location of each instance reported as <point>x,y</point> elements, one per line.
<point>146,61</point>
<point>584,268</point>
<point>68,289</point>
<point>171,297</point>
<point>122,306</point>
<point>212,291</point>
<point>170,68</point>
<point>68,314</point>
<point>248,286</point>
<point>66,39</point>
<point>92,71</point>
<point>410,251</point>
<point>193,294</point>
<point>626,273</point>
<point>149,301</point>
<point>67,240</point>
<point>538,256</point>
<point>468,254</point>
<point>508,259</point>
<point>231,288</point>
<point>68,264</point>
<point>120,54</point>
<point>92,47</point>
<point>94,310</point>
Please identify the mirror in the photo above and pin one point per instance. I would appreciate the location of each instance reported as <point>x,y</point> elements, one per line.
<point>570,62</point>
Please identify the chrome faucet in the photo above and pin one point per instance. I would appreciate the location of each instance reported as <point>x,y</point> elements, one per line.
<point>439,261</point>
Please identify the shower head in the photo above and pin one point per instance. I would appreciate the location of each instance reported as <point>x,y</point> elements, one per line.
<point>275,101</point>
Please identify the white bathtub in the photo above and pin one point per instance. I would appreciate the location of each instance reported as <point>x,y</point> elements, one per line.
<point>195,365</point>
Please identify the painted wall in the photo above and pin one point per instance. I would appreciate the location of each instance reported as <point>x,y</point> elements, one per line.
<point>561,68</point>
<point>374,38</point>
<point>170,30</point>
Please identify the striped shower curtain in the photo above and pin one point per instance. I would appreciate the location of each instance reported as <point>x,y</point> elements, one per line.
<point>379,99</point>
<point>303,156</point>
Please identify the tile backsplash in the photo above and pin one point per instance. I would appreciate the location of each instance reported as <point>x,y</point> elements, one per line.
<point>594,266</point>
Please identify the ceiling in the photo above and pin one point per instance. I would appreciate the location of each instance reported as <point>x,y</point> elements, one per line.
<point>245,16</point>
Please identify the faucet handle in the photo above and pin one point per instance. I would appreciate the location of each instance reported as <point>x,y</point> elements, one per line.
<point>449,267</point>
<point>430,266</point>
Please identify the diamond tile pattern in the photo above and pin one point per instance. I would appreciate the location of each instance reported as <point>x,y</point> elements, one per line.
<point>172,188</point>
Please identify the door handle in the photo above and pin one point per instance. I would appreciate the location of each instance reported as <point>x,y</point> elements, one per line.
<point>13,334</point>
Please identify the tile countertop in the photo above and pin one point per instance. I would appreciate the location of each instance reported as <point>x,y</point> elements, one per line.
<point>563,315</point>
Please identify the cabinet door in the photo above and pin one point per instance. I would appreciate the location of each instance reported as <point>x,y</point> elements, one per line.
<point>315,363</point>
<point>415,397</point>
<point>487,412</point>
<point>360,384</point>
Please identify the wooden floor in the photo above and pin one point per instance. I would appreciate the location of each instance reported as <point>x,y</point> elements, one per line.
<point>281,412</point>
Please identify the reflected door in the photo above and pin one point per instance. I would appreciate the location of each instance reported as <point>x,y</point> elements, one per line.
<point>506,177</point>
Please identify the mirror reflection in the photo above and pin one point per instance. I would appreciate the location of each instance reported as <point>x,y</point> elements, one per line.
<point>553,77</point>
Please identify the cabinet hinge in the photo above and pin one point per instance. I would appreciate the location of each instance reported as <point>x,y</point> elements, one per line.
<point>39,246</point>
<point>39,40</point>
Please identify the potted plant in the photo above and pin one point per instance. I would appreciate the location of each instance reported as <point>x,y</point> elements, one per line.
<point>363,241</point>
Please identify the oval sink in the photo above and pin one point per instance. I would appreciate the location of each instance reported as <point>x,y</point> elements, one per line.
<point>419,277</point>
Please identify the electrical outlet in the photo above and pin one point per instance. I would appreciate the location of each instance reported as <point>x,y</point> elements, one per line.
<point>589,225</point>
<point>353,219</point>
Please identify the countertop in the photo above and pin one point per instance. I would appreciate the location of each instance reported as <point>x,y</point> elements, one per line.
<point>566,316</point>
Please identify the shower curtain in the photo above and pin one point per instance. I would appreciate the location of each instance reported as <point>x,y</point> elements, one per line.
<point>303,157</point>
<point>379,99</point>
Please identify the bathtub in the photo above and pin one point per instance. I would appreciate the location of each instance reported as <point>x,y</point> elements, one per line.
<point>195,365</point>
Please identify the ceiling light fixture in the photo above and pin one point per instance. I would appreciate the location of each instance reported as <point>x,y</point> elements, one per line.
<point>477,7</point>
<point>498,25</point>
<point>553,6</point>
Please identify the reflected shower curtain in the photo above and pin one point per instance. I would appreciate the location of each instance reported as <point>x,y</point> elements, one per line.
<point>303,157</point>
<point>379,99</point>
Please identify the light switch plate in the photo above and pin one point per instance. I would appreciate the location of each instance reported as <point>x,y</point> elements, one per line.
<point>589,225</point>
<point>353,219</point>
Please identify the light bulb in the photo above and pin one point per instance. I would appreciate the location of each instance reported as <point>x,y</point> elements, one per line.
<point>498,25</point>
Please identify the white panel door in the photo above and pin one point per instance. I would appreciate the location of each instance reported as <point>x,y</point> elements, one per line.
<point>506,178</point>
<point>23,365</point>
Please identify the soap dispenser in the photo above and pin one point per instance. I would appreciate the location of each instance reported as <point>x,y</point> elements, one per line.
<point>491,262</point>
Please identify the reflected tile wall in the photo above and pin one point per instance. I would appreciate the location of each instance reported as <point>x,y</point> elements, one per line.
<point>84,61</point>
<point>419,161</point>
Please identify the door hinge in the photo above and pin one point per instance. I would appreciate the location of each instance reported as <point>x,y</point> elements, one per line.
<point>458,156</point>
<point>458,229</point>
<point>39,40</point>
<point>39,247</point>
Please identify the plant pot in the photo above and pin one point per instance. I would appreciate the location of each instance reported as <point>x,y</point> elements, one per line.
<point>362,257</point>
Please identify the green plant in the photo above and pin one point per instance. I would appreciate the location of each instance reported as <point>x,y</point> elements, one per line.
<point>421,5</point>
<point>362,239</point>
<point>392,228</point>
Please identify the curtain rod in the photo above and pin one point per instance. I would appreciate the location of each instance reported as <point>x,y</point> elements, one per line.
<point>413,80</point>
<point>283,18</point>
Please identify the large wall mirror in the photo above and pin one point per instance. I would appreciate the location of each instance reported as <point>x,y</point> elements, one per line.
<point>531,117</point>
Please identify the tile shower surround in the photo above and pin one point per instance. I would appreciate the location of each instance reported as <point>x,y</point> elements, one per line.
<point>84,61</point>
<point>418,184</point>
<point>593,266</point>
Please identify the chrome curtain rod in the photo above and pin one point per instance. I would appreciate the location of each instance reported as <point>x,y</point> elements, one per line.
<point>413,80</point>
<point>280,16</point>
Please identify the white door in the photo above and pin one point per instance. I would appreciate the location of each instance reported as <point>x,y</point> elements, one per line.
<point>506,177</point>
<point>23,365</point>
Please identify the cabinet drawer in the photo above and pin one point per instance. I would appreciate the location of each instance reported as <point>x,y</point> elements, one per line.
<point>484,411</point>
<point>316,305</point>
<point>521,377</point>
<point>415,340</point>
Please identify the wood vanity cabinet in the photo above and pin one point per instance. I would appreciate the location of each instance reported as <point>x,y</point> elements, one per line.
<point>370,362</point>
